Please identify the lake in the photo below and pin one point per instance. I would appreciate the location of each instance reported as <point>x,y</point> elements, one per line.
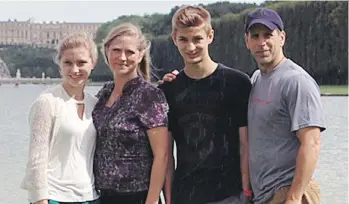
<point>331,173</point>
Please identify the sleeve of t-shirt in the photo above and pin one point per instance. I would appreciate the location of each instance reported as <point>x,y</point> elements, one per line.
<point>244,94</point>
<point>154,109</point>
<point>255,76</point>
<point>165,89</point>
<point>303,101</point>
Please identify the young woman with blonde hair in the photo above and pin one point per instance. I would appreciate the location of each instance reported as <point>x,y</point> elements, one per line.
<point>62,134</point>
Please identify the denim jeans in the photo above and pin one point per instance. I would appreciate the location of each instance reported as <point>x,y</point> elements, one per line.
<point>86,202</point>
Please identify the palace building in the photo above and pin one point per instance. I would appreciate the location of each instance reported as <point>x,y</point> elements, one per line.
<point>45,34</point>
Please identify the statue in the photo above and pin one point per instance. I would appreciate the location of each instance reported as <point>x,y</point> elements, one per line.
<point>4,72</point>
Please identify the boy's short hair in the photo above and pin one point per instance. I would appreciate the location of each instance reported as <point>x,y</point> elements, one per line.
<point>191,16</point>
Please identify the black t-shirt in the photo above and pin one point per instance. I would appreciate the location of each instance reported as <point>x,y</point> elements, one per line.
<point>204,118</point>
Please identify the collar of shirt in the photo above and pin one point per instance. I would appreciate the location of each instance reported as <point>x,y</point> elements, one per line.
<point>127,89</point>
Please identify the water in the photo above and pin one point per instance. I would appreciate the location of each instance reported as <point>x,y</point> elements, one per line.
<point>331,173</point>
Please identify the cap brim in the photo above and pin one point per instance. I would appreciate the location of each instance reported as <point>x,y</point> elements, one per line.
<point>266,23</point>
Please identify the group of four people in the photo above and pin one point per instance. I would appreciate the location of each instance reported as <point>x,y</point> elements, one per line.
<point>236,140</point>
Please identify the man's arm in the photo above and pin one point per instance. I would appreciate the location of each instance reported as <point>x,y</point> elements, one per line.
<point>307,157</point>
<point>244,159</point>
<point>302,97</point>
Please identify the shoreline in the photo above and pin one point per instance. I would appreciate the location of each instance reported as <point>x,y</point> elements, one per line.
<point>322,94</point>
<point>94,83</point>
<point>331,94</point>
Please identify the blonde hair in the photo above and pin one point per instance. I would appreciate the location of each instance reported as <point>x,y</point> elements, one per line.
<point>191,16</point>
<point>129,29</point>
<point>74,40</point>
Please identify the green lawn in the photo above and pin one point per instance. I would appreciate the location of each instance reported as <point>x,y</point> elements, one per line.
<point>327,89</point>
<point>332,89</point>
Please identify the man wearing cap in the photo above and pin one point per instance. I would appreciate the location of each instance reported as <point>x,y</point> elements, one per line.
<point>285,118</point>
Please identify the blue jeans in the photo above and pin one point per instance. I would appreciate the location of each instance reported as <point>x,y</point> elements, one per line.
<point>86,202</point>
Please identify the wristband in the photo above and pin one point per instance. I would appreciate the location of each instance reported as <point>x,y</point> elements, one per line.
<point>247,193</point>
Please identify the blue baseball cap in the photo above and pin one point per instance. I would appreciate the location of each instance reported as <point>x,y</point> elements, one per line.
<point>267,17</point>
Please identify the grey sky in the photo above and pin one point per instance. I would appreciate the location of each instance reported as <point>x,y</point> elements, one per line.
<point>86,11</point>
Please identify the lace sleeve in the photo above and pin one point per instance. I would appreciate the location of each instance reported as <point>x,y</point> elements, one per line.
<point>40,122</point>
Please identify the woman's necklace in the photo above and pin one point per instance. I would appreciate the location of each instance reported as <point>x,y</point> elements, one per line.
<point>79,102</point>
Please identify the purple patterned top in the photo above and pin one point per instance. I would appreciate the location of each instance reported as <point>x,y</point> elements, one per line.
<point>123,157</point>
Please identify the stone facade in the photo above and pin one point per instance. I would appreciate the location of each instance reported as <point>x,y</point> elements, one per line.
<point>46,34</point>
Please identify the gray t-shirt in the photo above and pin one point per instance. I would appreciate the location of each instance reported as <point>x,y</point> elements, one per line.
<point>281,102</point>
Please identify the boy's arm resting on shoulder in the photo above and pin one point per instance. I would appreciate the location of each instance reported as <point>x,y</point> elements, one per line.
<point>41,124</point>
<point>303,102</point>
<point>168,77</point>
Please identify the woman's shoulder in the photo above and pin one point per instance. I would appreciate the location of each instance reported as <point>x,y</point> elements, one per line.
<point>49,94</point>
<point>52,92</point>
<point>48,99</point>
<point>150,90</point>
<point>107,87</point>
<point>151,99</point>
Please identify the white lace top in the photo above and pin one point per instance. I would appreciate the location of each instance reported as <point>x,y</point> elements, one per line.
<point>60,160</point>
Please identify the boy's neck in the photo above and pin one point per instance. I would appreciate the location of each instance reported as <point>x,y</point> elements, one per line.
<point>200,70</point>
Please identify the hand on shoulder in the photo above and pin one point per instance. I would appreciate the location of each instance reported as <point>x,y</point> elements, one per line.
<point>169,77</point>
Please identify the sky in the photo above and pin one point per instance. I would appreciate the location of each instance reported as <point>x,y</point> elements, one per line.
<point>87,11</point>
